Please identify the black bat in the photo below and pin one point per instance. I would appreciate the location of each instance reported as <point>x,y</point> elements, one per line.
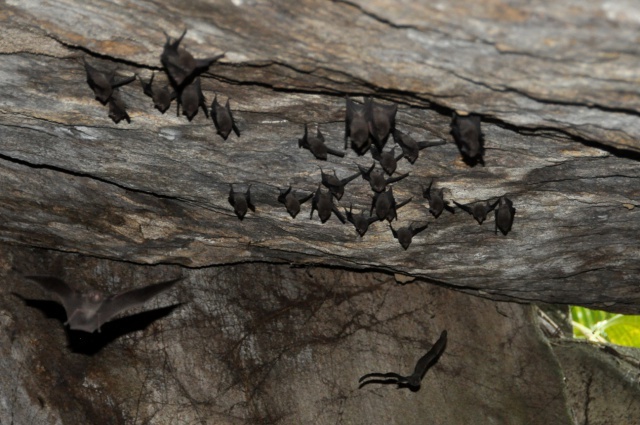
<point>404,235</point>
<point>117,108</point>
<point>478,210</point>
<point>412,381</point>
<point>102,83</point>
<point>191,98</point>
<point>361,222</point>
<point>323,203</point>
<point>376,178</point>
<point>223,119</point>
<point>381,119</point>
<point>385,205</point>
<point>316,145</point>
<point>162,97</point>
<point>410,148</point>
<point>180,65</point>
<point>468,136</point>
<point>356,127</point>
<point>504,215</point>
<point>387,160</point>
<point>241,202</point>
<point>291,202</point>
<point>88,311</point>
<point>334,184</point>
<point>437,204</point>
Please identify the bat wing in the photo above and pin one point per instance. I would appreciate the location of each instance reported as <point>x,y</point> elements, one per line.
<point>388,375</point>
<point>464,208</point>
<point>335,152</point>
<point>418,229</point>
<point>130,299</point>
<point>306,198</point>
<point>393,231</point>
<point>337,212</point>
<point>431,357</point>
<point>397,178</point>
<point>146,87</point>
<point>68,297</point>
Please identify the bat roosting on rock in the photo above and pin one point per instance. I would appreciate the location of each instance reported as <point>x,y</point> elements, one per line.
<point>223,119</point>
<point>316,145</point>
<point>161,97</point>
<point>102,83</point>
<point>180,65</point>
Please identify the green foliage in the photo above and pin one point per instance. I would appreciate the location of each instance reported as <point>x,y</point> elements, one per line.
<point>601,326</point>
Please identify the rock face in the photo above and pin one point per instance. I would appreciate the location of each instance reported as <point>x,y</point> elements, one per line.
<point>555,85</point>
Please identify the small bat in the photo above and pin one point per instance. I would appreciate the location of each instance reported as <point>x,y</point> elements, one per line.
<point>180,65</point>
<point>504,215</point>
<point>162,97</point>
<point>291,202</point>
<point>404,235</point>
<point>387,160</point>
<point>478,210</point>
<point>117,108</point>
<point>436,201</point>
<point>223,119</point>
<point>356,127</point>
<point>381,119</point>
<point>191,98</point>
<point>88,311</point>
<point>316,145</point>
<point>424,364</point>
<point>241,202</point>
<point>468,136</point>
<point>102,83</point>
<point>334,184</point>
<point>386,206</point>
<point>323,203</point>
<point>410,148</point>
<point>361,222</point>
<point>376,178</point>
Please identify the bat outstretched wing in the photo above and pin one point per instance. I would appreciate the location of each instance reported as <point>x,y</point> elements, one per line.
<point>68,297</point>
<point>431,357</point>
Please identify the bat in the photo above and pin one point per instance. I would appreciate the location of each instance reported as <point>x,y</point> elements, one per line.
<point>223,119</point>
<point>117,108</point>
<point>468,136</point>
<point>410,148</point>
<point>162,97</point>
<point>336,185</point>
<point>241,202</point>
<point>412,381</point>
<point>385,205</point>
<point>381,119</point>
<point>376,178</point>
<point>361,222</point>
<point>387,160</point>
<point>191,98</point>
<point>478,210</point>
<point>316,145</point>
<point>102,83</point>
<point>356,127</point>
<point>290,201</point>
<point>180,65</point>
<point>88,311</point>
<point>323,203</point>
<point>404,235</point>
<point>437,204</point>
<point>504,215</point>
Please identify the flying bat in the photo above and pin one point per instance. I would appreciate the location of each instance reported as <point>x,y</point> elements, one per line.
<point>316,145</point>
<point>410,148</point>
<point>404,235</point>
<point>102,83</point>
<point>388,160</point>
<point>336,185</point>
<point>361,222</point>
<point>191,98</point>
<point>88,311</point>
<point>323,203</point>
<point>504,215</point>
<point>478,210</point>
<point>381,119</point>
<point>161,96</point>
<point>241,202</point>
<point>356,127</point>
<point>376,178</point>
<point>468,136</point>
<point>290,201</point>
<point>385,205</point>
<point>412,381</point>
<point>180,65</point>
<point>117,108</point>
<point>223,119</point>
<point>436,201</point>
